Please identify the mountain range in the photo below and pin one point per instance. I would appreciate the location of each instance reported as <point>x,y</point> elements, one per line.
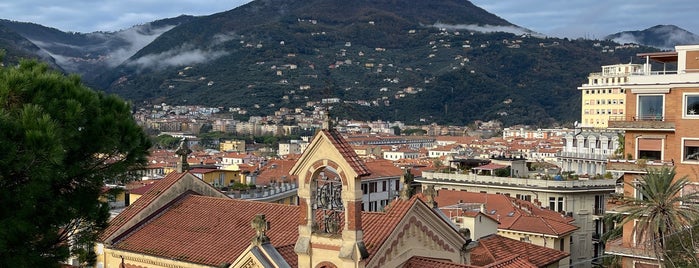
<point>418,61</point>
<point>664,37</point>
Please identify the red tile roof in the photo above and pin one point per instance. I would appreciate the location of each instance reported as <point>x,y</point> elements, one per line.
<point>513,214</point>
<point>514,262</point>
<point>142,190</point>
<point>347,152</point>
<point>381,168</point>
<point>274,170</point>
<point>490,167</point>
<point>210,230</point>
<point>425,262</point>
<point>377,226</point>
<point>494,247</point>
<point>133,209</point>
<point>289,255</point>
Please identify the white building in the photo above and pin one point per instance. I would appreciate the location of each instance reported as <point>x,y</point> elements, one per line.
<point>587,152</point>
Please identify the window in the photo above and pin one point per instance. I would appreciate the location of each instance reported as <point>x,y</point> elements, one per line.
<point>691,106</point>
<point>364,188</point>
<point>552,203</point>
<point>372,187</point>
<point>650,107</point>
<point>690,150</point>
<point>621,101</point>
<point>689,189</point>
<point>650,149</point>
<point>560,204</point>
<point>638,194</point>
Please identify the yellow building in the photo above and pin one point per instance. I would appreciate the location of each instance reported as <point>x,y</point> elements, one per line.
<point>232,146</point>
<point>603,97</point>
<point>219,177</point>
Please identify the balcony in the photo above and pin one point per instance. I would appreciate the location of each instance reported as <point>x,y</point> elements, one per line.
<point>529,184</point>
<point>576,155</point>
<point>651,123</point>
<point>640,166</point>
<point>617,247</point>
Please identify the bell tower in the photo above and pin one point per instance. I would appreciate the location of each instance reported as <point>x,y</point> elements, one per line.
<point>330,197</point>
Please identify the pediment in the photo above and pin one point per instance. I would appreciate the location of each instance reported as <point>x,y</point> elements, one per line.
<point>420,233</point>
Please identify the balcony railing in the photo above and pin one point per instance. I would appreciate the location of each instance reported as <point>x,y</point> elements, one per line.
<point>518,182</point>
<point>654,122</point>
<point>637,165</point>
<point>617,247</point>
<point>601,157</point>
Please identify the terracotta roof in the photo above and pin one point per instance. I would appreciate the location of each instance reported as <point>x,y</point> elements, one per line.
<point>514,262</point>
<point>133,209</point>
<point>490,167</point>
<point>203,170</point>
<point>274,170</point>
<point>377,226</point>
<point>381,168</point>
<point>210,230</point>
<point>494,247</point>
<point>289,255</point>
<point>425,262</point>
<point>513,214</point>
<point>143,189</point>
<point>347,152</point>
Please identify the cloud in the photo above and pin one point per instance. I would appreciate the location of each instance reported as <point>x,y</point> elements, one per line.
<point>484,28</point>
<point>185,54</point>
<point>137,38</point>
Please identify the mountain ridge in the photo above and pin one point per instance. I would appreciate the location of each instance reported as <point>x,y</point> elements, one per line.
<point>382,59</point>
<point>664,37</point>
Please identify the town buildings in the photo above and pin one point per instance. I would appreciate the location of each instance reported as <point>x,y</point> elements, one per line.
<point>582,200</point>
<point>184,222</point>
<point>660,130</point>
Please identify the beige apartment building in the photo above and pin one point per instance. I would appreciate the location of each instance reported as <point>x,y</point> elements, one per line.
<point>603,95</point>
<point>660,130</point>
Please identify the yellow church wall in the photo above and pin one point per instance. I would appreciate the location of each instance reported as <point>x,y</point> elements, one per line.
<point>112,258</point>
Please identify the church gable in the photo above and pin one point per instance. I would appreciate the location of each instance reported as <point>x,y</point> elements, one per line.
<point>260,256</point>
<point>419,233</point>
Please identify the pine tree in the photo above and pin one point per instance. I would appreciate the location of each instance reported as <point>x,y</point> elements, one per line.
<point>59,143</point>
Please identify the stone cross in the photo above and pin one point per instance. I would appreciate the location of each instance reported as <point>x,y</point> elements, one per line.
<point>430,193</point>
<point>182,151</point>
<point>407,180</point>
<point>260,225</point>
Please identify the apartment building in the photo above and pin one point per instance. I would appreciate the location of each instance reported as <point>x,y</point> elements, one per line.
<point>583,200</point>
<point>660,130</point>
<point>586,153</point>
<point>603,95</point>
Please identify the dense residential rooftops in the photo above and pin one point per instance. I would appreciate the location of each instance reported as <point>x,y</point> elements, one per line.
<point>513,214</point>
<point>494,248</point>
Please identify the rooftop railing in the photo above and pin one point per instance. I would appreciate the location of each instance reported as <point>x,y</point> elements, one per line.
<point>521,182</point>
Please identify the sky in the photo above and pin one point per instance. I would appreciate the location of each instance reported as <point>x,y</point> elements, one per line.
<point>570,18</point>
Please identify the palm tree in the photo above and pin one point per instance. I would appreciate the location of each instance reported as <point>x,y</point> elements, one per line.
<point>661,208</point>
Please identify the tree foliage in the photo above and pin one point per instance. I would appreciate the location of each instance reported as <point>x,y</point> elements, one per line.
<point>661,209</point>
<point>60,143</point>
